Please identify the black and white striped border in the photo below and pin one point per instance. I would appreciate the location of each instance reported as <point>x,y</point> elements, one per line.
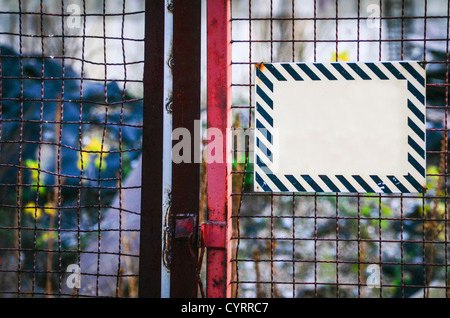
<point>267,74</point>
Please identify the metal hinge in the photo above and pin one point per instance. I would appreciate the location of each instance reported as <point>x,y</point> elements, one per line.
<point>185,225</point>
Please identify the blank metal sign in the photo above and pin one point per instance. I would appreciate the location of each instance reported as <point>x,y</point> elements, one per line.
<point>340,127</point>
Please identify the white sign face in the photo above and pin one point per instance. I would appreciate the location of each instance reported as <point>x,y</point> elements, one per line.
<point>340,127</point>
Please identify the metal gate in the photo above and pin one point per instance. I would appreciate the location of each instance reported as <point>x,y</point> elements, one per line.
<point>340,245</point>
<point>90,94</point>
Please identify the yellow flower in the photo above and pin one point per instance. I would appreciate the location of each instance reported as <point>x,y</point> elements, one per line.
<point>432,181</point>
<point>48,235</point>
<point>34,167</point>
<point>86,159</point>
<point>97,162</point>
<point>49,209</point>
<point>95,145</point>
<point>342,57</point>
<point>31,209</point>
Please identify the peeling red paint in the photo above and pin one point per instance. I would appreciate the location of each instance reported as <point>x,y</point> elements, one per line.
<point>218,174</point>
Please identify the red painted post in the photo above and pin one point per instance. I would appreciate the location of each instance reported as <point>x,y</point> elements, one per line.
<point>217,230</point>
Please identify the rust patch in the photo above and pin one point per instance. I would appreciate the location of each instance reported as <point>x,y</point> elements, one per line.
<point>260,66</point>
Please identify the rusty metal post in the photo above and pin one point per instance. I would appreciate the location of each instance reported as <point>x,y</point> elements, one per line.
<point>185,176</point>
<point>217,230</point>
<point>152,151</point>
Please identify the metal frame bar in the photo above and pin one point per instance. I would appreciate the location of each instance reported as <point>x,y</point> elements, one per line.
<point>217,230</point>
<point>152,165</point>
<point>186,70</point>
<point>167,148</point>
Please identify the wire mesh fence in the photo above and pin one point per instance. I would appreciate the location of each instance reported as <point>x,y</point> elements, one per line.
<point>70,134</point>
<point>341,245</point>
<point>70,143</point>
